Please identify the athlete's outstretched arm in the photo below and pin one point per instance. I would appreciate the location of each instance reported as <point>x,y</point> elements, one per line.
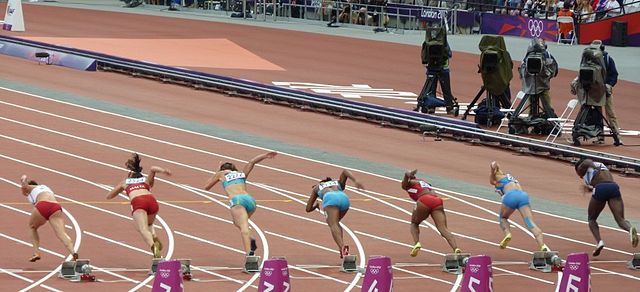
<point>312,203</point>
<point>495,169</point>
<point>408,176</point>
<point>249,166</point>
<point>24,185</point>
<point>347,175</point>
<point>213,180</point>
<point>118,189</point>
<point>152,174</point>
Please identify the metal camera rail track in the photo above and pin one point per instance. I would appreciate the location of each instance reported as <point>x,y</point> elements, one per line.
<point>426,124</point>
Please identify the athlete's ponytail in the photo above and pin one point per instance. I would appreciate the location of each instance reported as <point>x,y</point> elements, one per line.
<point>133,165</point>
<point>326,179</point>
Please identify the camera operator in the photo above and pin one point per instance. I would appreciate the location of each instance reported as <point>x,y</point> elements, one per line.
<point>536,71</point>
<point>442,71</point>
<point>610,82</point>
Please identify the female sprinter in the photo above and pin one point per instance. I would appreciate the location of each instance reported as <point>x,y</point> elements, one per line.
<point>598,179</point>
<point>426,204</point>
<point>513,198</point>
<point>46,209</point>
<point>242,205</point>
<point>335,204</point>
<point>144,206</point>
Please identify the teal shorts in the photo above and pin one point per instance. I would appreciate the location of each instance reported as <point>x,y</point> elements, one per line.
<point>336,198</point>
<point>246,201</point>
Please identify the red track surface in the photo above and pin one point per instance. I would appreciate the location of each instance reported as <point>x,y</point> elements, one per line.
<point>551,180</point>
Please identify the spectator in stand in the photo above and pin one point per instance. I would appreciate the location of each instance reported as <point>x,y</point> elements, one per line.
<point>566,29</point>
<point>585,11</point>
<point>613,8</point>
<point>600,8</point>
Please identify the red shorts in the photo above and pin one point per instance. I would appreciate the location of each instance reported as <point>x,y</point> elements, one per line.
<point>430,201</point>
<point>47,209</point>
<point>145,202</point>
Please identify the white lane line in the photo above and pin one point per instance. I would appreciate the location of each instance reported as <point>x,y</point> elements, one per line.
<point>305,243</point>
<point>28,280</point>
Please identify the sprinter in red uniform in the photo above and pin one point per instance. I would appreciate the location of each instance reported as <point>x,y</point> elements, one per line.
<point>144,206</point>
<point>46,208</point>
<point>426,204</point>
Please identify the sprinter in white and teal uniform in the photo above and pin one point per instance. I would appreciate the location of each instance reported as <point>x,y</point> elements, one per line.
<point>335,204</point>
<point>513,198</point>
<point>242,205</point>
<point>599,181</point>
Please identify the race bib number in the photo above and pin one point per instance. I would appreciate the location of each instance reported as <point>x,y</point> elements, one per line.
<point>424,184</point>
<point>323,185</point>
<point>233,176</point>
<point>137,180</point>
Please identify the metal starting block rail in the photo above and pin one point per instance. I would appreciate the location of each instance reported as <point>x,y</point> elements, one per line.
<point>252,264</point>
<point>634,263</point>
<point>453,262</point>
<point>545,261</point>
<point>79,270</point>
<point>349,264</point>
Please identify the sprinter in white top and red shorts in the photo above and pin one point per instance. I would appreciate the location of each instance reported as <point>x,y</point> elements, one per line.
<point>46,209</point>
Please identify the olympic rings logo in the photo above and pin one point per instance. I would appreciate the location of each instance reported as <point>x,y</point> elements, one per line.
<point>268,273</point>
<point>475,269</point>
<point>536,27</point>
<point>574,267</point>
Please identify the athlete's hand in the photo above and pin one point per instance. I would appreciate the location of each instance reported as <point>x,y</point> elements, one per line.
<point>23,178</point>
<point>494,166</point>
<point>272,154</point>
<point>359,185</point>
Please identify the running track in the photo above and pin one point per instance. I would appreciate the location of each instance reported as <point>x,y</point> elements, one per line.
<point>79,151</point>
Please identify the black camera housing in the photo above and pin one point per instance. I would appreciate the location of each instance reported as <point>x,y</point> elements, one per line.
<point>534,65</point>
<point>586,77</point>
<point>489,62</point>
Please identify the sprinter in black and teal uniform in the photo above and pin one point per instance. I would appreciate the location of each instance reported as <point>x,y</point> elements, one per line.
<point>335,204</point>
<point>242,205</point>
<point>513,198</point>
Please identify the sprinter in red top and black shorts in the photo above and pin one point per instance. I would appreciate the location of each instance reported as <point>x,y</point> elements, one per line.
<point>46,208</point>
<point>144,206</point>
<point>426,204</point>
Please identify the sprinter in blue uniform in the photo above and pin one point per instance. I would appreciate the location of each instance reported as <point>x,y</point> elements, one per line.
<point>335,204</point>
<point>242,205</point>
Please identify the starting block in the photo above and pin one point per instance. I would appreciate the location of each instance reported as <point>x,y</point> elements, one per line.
<point>68,270</point>
<point>634,263</point>
<point>252,264</point>
<point>79,270</point>
<point>545,261</point>
<point>453,263</point>
<point>185,268</point>
<point>154,266</point>
<point>349,264</point>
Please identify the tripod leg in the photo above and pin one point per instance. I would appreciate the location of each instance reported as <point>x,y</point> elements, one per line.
<point>473,102</point>
<point>424,93</point>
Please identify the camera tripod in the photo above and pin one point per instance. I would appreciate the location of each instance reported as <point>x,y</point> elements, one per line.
<point>582,117</point>
<point>429,89</point>
<point>491,101</point>
<point>536,103</point>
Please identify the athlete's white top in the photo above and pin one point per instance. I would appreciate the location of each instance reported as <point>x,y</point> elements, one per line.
<point>33,196</point>
<point>591,172</point>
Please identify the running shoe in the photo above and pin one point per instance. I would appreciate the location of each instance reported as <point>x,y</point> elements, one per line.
<point>155,239</point>
<point>544,247</point>
<point>505,241</point>
<point>633,233</point>
<point>254,246</point>
<point>416,248</point>
<point>155,248</point>
<point>457,251</point>
<point>345,251</point>
<point>599,247</point>
<point>34,258</point>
